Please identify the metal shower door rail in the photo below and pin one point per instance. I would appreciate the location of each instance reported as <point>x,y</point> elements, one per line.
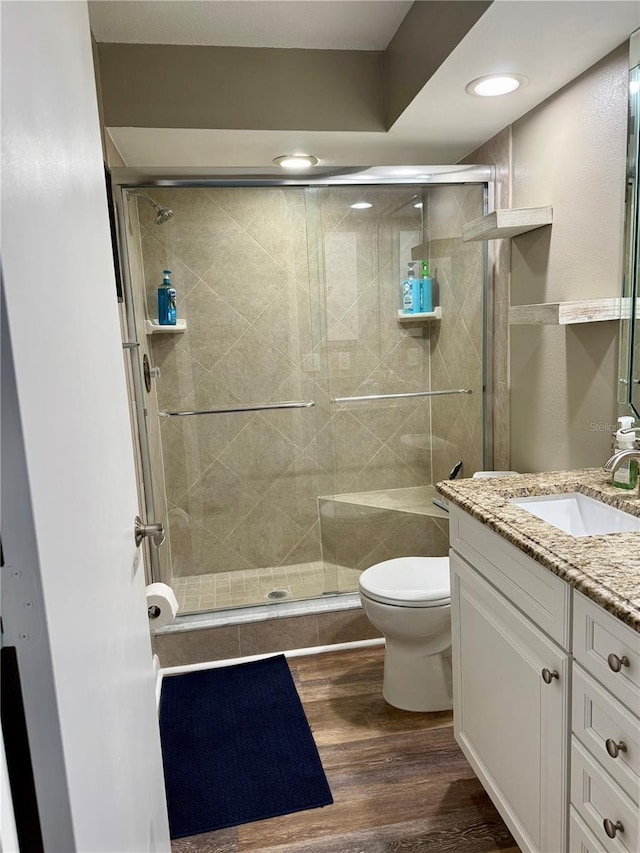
<point>401,396</point>
<point>289,404</point>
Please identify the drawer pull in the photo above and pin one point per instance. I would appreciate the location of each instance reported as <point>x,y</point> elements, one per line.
<point>614,748</point>
<point>616,664</point>
<point>612,828</point>
<point>548,675</point>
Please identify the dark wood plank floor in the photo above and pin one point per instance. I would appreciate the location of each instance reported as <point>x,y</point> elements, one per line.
<point>399,781</point>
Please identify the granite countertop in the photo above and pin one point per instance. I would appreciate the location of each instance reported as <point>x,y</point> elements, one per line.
<point>605,568</point>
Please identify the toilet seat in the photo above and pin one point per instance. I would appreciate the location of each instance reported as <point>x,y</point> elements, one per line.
<point>408,582</point>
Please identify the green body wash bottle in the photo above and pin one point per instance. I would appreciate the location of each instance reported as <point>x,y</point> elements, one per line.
<point>626,477</point>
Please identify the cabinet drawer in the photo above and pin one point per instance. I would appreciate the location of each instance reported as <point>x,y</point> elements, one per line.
<point>597,635</point>
<point>597,716</point>
<point>596,798</point>
<point>537,592</point>
<point>581,839</point>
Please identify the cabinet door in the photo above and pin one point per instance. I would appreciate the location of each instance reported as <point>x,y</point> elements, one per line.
<point>510,723</point>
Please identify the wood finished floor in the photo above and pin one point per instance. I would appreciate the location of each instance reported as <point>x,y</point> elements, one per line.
<point>399,781</point>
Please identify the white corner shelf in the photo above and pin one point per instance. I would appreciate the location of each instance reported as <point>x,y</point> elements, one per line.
<point>152,327</point>
<point>421,317</point>
<point>502,224</point>
<point>566,313</point>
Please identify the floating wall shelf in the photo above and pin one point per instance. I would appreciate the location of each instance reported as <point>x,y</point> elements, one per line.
<point>507,223</point>
<point>422,317</point>
<point>152,327</point>
<point>566,313</point>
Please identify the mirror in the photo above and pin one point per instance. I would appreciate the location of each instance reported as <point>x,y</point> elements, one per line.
<point>629,381</point>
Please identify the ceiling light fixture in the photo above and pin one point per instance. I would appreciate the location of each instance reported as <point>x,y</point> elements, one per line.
<point>418,204</point>
<point>361,205</point>
<point>296,161</point>
<point>495,84</point>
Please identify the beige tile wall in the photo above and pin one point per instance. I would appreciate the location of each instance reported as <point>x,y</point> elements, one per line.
<point>241,488</point>
<point>456,344</point>
<point>271,635</point>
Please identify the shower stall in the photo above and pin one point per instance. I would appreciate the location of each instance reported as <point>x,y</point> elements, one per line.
<point>291,426</point>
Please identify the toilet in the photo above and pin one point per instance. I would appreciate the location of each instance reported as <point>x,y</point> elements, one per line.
<point>409,600</point>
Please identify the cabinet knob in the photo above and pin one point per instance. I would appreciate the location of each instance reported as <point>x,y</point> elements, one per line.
<point>614,748</point>
<point>548,675</point>
<point>612,828</point>
<point>616,663</point>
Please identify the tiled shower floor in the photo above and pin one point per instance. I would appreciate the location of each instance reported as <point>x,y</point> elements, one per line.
<point>238,589</point>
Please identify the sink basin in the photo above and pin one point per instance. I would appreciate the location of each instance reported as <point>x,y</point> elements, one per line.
<point>578,514</point>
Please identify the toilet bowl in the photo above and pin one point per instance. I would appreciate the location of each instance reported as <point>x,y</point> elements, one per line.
<point>409,600</point>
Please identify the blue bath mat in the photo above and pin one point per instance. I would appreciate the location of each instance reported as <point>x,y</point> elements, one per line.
<point>237,747</point>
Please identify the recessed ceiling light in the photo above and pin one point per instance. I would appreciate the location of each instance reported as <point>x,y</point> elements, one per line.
<point>361,205</point>
<point>495,84</point>
<point>296,161</point>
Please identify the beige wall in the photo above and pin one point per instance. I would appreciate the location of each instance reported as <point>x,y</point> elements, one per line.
<point>429,32</point>
<point>569,153</point>
<point>151,85</point>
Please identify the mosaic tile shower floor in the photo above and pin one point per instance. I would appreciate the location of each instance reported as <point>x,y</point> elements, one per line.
<point>239,589</point>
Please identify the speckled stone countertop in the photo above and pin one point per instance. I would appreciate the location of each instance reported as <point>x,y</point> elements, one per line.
<point>605,568</point>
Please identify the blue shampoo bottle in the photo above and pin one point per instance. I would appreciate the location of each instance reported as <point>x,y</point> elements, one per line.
<point>166,301</point>
<point>426,289</point>
<point>411,292</point>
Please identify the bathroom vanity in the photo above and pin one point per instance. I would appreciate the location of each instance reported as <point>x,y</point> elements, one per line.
<point>546,661</point>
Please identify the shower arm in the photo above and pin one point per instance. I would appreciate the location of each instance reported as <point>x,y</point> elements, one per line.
<point>401,396</point>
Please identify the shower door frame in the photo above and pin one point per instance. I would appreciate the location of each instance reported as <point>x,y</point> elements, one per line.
<point>126,179</point>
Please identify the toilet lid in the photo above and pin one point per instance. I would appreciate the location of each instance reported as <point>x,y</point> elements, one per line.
<point>408,582</point>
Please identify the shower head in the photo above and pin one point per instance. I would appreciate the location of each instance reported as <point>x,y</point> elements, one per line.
<point>164,214</point>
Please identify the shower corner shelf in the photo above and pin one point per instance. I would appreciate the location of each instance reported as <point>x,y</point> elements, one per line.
<point>436,314</point>
<point>152,327</point>
<point>500,224</point>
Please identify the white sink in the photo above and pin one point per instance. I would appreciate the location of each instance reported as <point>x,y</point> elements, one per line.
<point>578,514</point>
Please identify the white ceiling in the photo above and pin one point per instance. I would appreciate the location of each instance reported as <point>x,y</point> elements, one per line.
<point>549,41</point>
<point>320,24</point>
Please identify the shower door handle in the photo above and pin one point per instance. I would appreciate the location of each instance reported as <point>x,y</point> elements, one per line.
<point>155,532</point>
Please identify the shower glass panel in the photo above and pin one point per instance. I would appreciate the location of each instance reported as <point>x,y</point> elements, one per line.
<point>390,449</point>
<point>238,488</point>
<point>272,483</point>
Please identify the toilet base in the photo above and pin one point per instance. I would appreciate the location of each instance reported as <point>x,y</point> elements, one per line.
<point>415,681</point>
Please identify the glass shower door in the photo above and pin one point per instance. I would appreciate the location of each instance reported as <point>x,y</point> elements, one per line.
<point>392,432</point>
<point>237,412</point>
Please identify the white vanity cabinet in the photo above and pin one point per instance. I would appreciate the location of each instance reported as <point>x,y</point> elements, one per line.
<point>546,698</point>
<point>511,681</point>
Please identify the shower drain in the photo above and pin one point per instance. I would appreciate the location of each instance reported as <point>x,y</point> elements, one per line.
<point>277,594</point>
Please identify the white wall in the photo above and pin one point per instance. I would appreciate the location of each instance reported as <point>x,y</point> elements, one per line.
<point>73,600</point>
<point>569,153</point>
